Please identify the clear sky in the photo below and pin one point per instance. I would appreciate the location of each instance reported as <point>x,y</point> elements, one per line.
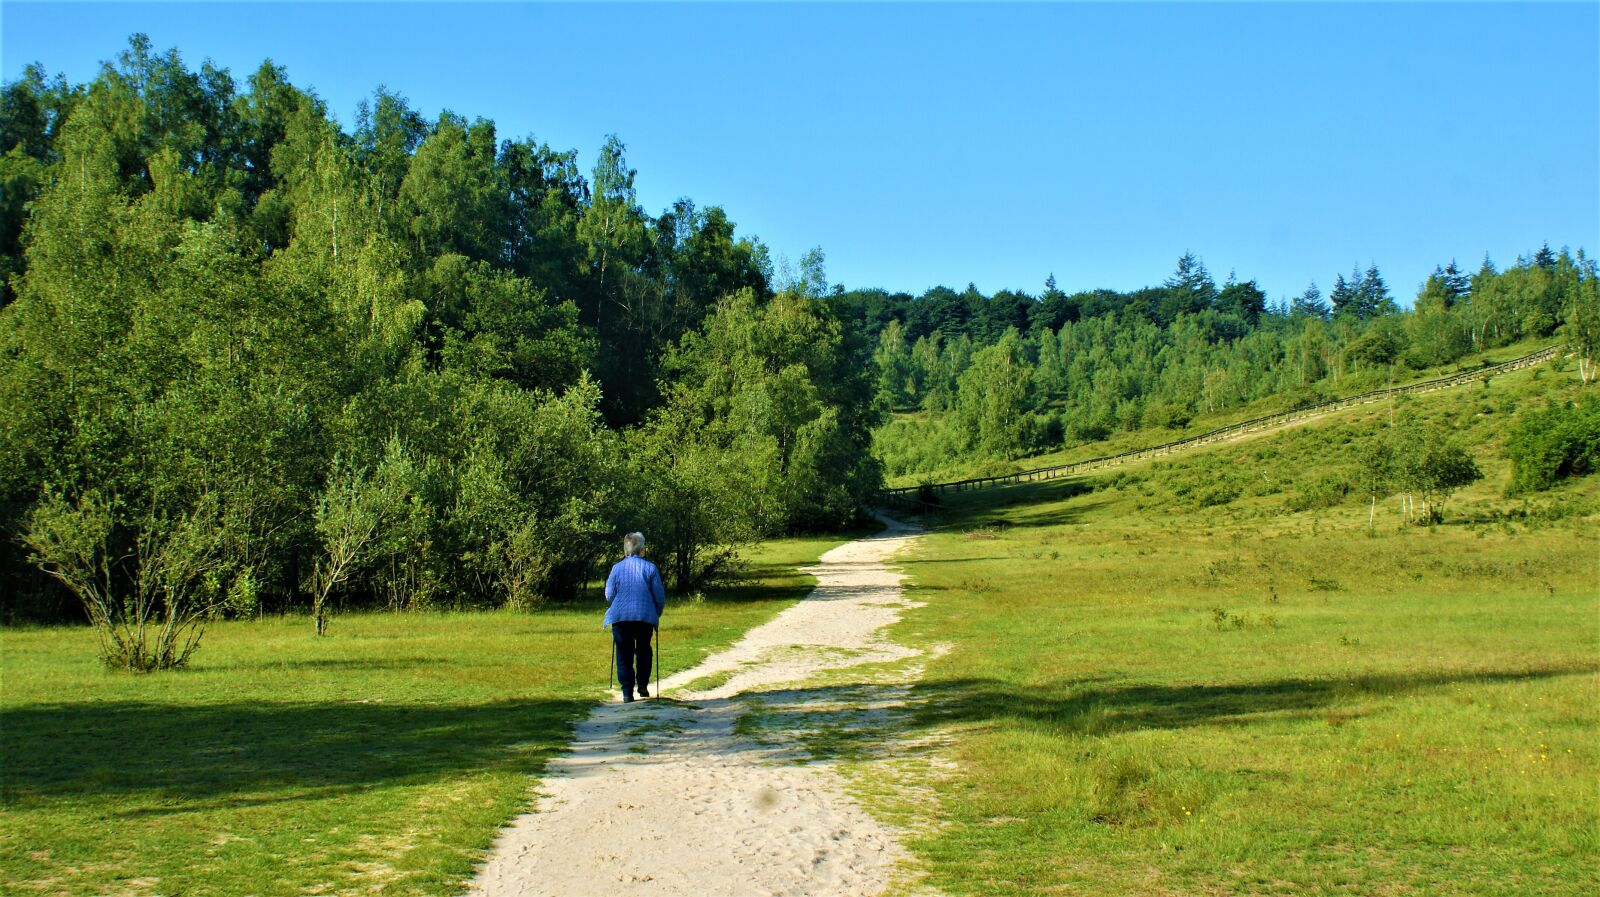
<point>929,144</point>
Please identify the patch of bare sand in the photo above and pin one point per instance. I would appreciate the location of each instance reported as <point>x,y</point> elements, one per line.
<point>680,797</point>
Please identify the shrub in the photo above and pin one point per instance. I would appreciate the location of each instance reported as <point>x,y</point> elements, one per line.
<point>1325,491</point>
<point>1162,413</point>
<point>1084,427</point>
<point>1303,397</point>
<point>148,582</point>
<point>1550,445</point>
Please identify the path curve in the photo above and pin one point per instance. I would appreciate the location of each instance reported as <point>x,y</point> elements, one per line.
<point>674,797</point>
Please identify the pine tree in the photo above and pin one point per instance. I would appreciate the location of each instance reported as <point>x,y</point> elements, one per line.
<point>1344,295</point>
<point>1310,303</point>
<point>1374,298</point>
<point>1456,281</point>
<point>1189,289</point>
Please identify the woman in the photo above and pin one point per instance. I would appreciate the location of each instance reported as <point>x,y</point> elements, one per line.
<point>637,599</point>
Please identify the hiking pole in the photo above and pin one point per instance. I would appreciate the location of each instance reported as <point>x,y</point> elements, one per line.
<point>657,629</point>
<point>613,660</point>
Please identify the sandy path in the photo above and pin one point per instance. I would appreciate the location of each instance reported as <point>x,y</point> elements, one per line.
<point>674,797</point>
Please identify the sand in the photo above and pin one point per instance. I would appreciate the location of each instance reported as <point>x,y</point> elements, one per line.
<point>673,797</point>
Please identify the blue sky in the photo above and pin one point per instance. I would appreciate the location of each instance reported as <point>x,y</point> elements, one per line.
<point>928,144</point>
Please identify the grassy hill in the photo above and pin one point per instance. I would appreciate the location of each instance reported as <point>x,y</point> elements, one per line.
<point>1204,676</point>
<point>1201,423</point>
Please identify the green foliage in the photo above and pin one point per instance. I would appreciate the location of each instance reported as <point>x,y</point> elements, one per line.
<point>389,367</point>
<point>1110,363</point>
<point>784,382</point>
<point>1325,491</point>
<point>148,583</point>
<point>993,400</point>
<point>1583,320</point>
<point>1167,415</point>
<point>1548,445</point>
<point>364,517</point>
<point>1414,458</point>
<point>700,500</point>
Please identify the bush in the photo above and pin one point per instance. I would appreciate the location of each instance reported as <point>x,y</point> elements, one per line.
<point>1170,415</point>
<point>1084,427</point>
<point>148,582</point>
<point>1303,397</point>
<point>1323,492</point>
<point>1550,445</point>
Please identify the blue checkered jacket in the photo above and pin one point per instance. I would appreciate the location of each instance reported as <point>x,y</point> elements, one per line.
<point>635,592</point>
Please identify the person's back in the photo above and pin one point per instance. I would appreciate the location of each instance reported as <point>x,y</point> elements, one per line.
<point>637,599</point>
<point>635,592</point>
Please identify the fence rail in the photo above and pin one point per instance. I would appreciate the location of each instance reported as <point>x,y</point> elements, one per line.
<point>913,497</point>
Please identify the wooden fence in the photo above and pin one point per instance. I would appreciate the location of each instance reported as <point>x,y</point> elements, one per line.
<point>915,497</point>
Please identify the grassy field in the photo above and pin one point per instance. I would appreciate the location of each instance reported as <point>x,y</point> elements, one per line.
<point>1203,676</point>
<point>381,759</point>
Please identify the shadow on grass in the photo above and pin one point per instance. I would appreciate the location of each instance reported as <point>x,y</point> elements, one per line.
<point>235,754</point>
<point>347,663</point>
<point>1102,709</point>
<point>1093,707</point>
<point>164,758</point>
<point>982,507</point>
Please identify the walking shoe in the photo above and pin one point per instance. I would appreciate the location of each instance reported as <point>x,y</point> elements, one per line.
<point>644,692</point>
<point>627,699</point>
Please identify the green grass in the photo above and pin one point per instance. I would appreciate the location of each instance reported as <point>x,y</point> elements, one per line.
<point>1148,693</point>
<point>381,759</point>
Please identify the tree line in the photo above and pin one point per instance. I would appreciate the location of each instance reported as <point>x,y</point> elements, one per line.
<point>1002,376</point>
<point>254,361</point>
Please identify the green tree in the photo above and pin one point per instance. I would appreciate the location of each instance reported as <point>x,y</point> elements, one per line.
<point>349,514</point>
<point>699,498</point>
<point>994,400</point>
<point>1428,465</point>
<point>1309,304</point>
<point>146,581</point>
<point>1245,300</point>
<point>1376,464</point>
<point>1189,289</point>
<point>1583,320</point>
<point>1551,444</point>
<point>892,360</point>
<point>451,200</point>
<point>785,375</point>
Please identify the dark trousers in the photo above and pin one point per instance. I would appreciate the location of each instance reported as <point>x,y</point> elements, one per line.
<point>632,639</point>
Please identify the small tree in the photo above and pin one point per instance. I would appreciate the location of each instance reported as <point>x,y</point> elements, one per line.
<point>1428,465</point>
<point>1549,445</point>
<point>1443,467</point>
<point>355,511</point>
<point>698,502</point>
<point>149,588</point>
<point>347,521</point>
<point>1583,322</point>
<point>1377,474</point>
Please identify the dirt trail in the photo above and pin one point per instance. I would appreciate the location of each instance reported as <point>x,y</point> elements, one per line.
<point>676,797</point>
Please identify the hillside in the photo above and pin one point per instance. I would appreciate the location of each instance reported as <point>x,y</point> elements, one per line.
<point>1200,425</point>
<point>1204,675</point>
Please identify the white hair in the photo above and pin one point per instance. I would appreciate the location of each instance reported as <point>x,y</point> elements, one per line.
<point>632,544</point>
